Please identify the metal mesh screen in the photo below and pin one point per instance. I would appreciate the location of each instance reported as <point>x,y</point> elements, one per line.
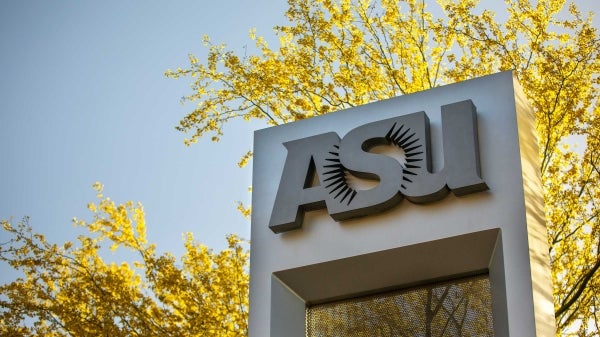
<point>461,307</point>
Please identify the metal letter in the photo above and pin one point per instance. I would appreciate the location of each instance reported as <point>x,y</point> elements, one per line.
<point>461,172</point>
<point>461,148</point>
<point>295,195</point>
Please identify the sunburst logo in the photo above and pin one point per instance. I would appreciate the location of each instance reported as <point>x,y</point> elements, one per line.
<point>376,165</point>
<point>402,138</point>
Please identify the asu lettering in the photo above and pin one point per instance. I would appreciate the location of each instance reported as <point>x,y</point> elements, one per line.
<point>332,158</point>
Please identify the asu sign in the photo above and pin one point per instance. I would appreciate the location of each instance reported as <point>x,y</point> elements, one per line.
<point>359,164</point>
<point>332,159</point>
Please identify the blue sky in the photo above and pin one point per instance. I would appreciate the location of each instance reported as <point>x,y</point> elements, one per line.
<point>83,98</point>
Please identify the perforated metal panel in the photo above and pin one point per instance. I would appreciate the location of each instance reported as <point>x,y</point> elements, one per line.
<point>461,307</point>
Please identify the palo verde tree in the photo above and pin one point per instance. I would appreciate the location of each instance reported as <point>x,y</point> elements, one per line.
<point>70,290</point>
<point>332,55</point>
<point>338,54</point>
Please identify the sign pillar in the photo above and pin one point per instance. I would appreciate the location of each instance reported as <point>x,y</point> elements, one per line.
<point>402,216</point>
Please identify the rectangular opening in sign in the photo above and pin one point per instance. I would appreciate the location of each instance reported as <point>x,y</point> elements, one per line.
<point>459,307</point>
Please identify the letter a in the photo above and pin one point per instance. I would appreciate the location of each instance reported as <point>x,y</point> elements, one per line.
<point>295,196</point>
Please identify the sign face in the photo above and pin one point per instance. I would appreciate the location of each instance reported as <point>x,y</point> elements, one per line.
<point>472,144</point>
<point>332,158</point>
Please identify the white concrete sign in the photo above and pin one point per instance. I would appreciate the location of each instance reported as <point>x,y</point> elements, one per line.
<point>416,189</point>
